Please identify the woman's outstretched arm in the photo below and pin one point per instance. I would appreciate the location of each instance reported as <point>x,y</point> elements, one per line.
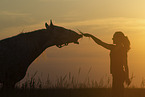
<point>99,42</point>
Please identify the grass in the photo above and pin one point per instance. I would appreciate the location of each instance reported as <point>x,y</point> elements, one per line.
<point>67,81</point>
<point>82,92</point>
<point>67,86</point>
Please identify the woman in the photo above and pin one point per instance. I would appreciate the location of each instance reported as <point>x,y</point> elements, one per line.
<point>118,61</point>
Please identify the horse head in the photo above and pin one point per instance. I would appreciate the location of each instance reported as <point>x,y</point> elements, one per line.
<point>62,36</point>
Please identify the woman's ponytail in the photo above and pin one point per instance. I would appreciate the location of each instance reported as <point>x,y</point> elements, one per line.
<point>126,43</point>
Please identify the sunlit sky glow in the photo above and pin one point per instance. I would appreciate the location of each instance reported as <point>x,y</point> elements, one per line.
<point>98,17</point>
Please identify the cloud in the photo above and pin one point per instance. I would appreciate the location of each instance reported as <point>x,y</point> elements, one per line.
<point>55,0</point>
<point>118,22</point>
<point>8,13</point>
<point>11,19</point>
<point>104,26</point>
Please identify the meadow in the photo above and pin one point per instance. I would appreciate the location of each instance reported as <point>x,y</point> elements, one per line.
<point>78,92</point>
<point>67,86</point>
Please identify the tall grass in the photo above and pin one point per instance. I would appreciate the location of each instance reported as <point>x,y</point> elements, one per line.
<point>68,85</point>
<point>67,81</point>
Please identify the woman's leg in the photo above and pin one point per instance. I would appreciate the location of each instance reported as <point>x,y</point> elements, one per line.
<point>117,87</point>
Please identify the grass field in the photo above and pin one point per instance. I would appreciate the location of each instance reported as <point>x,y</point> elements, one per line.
<point>67,86</point>
<point>86,92</point>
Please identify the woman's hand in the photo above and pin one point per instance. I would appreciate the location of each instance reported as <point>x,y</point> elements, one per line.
<point>87,35</point>
<point>128,81</point>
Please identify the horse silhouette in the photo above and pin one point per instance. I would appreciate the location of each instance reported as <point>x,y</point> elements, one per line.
<point>18,52</point>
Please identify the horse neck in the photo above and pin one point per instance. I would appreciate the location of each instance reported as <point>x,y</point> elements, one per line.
<point>36,42</point>
<point>41,38</point>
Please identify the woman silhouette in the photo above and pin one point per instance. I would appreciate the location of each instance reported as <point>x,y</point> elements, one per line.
<point>118,61</point>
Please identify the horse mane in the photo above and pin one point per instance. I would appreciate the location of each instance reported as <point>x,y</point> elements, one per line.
<point>24,34</point>
<point>35,31</point>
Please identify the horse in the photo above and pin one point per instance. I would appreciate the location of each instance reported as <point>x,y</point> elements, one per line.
<point>18,52</point>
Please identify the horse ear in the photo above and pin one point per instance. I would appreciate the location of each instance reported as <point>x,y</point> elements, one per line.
<point>47,26</point>
<point>51,24</point>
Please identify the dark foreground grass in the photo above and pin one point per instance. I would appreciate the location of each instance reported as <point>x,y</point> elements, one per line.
<point>88,92</point>
<point>67,86</point>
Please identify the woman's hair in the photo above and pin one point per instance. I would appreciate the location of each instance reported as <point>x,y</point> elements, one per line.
<point>123,39</point>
